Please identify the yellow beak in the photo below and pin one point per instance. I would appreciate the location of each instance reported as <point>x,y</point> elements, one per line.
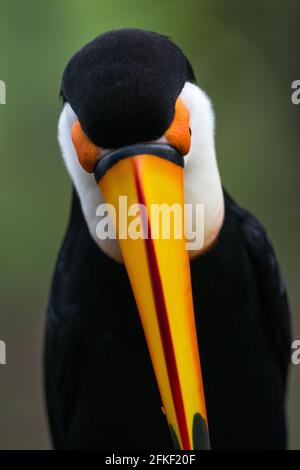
<point>159,271</point>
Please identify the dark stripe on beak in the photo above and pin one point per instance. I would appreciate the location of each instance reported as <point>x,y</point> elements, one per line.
<point>162,317</point>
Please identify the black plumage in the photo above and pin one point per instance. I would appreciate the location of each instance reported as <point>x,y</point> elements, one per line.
<point>100,386</point>
<point>101,390</point>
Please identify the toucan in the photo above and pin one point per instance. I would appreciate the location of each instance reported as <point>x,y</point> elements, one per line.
<point>152,342</point>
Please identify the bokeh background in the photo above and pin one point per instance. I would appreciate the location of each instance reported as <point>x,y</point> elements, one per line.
<point>245,56</point>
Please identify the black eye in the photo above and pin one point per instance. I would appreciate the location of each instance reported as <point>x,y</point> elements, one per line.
<point>190,131</point>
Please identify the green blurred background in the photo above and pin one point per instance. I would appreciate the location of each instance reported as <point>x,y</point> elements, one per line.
<point>245,56</point>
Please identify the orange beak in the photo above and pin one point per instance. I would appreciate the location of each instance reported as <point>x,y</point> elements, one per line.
<point>158,267</point>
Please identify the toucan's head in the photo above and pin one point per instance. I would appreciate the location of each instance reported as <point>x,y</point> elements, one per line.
<point>135,124</point>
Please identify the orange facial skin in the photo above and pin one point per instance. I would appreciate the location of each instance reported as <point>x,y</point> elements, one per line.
<point>178,134</point>
<point>87,152</point>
